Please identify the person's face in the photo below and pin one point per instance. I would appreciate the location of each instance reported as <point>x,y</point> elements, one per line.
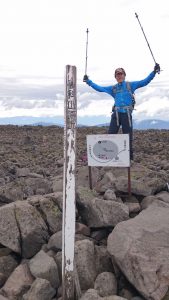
<point>120,77</point>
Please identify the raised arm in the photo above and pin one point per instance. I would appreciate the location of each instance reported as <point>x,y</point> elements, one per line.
<point>96,87</point>
<point>138,84</point>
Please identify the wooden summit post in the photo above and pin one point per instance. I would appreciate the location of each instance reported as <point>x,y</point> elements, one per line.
<point>69,184</point>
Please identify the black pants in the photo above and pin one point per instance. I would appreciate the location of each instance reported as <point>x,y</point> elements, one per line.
<point>126,127</point>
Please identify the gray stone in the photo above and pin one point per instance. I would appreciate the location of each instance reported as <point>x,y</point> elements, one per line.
<point>8,224</point>
<point>163,196</point>
<point>3,298</point>
<point>34,232</point>
<point>23,187</point>
<point>44,266</point>
<point>7,265</point>
<point>106,284</point>
<point>103,260</point>
<point>82,229</point>
<point>52,214</point>
<point>49,210</point>
<point>107,182</point>
<point>147,201</point>
<point>125,293</point>
<point>57,198</point>
<point>55,241</point>
<point>85,263</point>
<point>22,172</point>
<point>18,283</point>
<point>11,192</point>
<point>57,183</point>
<point>140,247</point>
<point>98,213</point>
<point>110,195</point>
<point>40,290</point>
<point>141,186</point>
<point>90,294</point>
<point>58,260</point>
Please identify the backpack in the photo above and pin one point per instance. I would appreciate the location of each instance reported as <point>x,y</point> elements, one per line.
<point>129,89</point>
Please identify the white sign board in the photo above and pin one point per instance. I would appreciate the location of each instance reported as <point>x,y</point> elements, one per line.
<point>108,150</point>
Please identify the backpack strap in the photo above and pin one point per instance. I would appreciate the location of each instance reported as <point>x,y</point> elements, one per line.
<point>130,91</point>
<point>114,87</point>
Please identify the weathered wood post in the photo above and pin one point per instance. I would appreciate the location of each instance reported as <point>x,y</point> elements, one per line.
<point>69,185</point>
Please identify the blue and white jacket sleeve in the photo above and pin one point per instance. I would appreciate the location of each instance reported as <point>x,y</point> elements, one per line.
<point>98,88</point>
<point>141,83</point>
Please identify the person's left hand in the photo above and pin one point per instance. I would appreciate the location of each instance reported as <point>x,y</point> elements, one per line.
<point>157,68</point>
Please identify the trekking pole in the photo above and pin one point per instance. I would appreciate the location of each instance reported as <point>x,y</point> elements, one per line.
<point>145,38</point>
<point>87,31</point>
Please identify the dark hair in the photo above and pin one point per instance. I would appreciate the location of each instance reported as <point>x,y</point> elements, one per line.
<point>119,70</point>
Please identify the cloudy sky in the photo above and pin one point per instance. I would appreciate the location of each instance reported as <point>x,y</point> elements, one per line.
<point>40,37</point>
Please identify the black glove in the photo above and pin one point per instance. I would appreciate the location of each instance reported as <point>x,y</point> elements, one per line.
<point>85,78</point>
<point>157,68</point>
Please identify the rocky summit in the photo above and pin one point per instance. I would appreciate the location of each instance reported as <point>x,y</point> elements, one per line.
<point>121,240</point>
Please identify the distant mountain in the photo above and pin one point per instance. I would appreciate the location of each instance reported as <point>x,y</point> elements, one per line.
<point>150,124</point>
<point>23,120</point>
<point>82,122</point>
<point>47,121</point>
<point>146,124</point>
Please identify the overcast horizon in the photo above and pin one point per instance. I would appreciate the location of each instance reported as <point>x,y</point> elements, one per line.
<point>39,38</point>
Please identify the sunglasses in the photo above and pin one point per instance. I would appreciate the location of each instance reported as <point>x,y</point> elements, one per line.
<point>119,73</point>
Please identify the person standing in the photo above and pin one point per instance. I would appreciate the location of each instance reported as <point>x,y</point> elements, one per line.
<point>123,94</point>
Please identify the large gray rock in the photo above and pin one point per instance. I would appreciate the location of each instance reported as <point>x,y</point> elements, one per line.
<point>140,186</point>
<point>11,192</point>
<point>22,228</point>
<point>40,290</point>
<point>44,266</point>
<point>49,210</point>
<point>7,265</point>
<point>32,228</point>
<point>163,196</point>
<point>140,247</point>
<point>23,187</point>
<point>161,199</point>
<point>85,263</point>
<point>9,231</point>
<point>96,212</point>
<point>18,283</point>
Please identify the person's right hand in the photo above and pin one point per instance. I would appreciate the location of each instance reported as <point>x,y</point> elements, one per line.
<point>85,78</point>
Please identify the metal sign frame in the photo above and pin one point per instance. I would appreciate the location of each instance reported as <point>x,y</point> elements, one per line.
<point>108,156</point>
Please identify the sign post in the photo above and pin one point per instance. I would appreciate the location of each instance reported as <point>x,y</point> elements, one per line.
<point>69,184</point>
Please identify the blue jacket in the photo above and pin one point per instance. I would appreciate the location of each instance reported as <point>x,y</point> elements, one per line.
<point>122,96</point>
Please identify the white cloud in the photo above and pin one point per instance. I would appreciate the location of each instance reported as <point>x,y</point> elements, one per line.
<point>39,38</point>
